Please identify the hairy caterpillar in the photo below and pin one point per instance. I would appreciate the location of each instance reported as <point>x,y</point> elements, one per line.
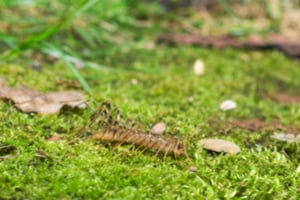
<point>106,125</point>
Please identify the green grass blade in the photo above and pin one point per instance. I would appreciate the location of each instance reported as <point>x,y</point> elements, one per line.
<point>67,16</point>
<point>52,50</point>
<point>83,82</point>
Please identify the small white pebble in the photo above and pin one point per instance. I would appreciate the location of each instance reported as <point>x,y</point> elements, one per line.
<point>158,129</point>
<point>191,99</point>
<point>199,67</point>
<point>134,81</point>
<point>193,169</point>
<point>228,105</point>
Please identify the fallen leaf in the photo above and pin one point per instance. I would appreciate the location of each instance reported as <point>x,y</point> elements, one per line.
<point>199,67</point>
<point>228,105</point>
<point>158,129</point>
<point>29,100</point>
<point>219,145</point>
<point>286,137</point>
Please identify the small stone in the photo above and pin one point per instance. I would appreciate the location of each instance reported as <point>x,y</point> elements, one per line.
<point>228,105</point>
<point>191,99</point>
<point>199,67</point>
<point>286,137</point>
<point>54,138</point>
<point>219,145</point>
<point>193,169</point>
<point>134,81</point>
<point>158,129</point>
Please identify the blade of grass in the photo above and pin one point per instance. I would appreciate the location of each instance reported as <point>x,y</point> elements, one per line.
<point>52,50</point>
<point>83,82</point>
<point>10,41</point>
<point>67,16</point>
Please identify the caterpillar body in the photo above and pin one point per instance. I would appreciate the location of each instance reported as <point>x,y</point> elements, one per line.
<point>105,126</point>
<point>142,139</point>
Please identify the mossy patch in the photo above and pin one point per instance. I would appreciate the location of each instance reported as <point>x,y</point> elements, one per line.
<point>92,170</point>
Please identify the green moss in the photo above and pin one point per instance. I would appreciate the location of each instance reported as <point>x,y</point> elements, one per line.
<point>91,170</point>
<point>265,169</point>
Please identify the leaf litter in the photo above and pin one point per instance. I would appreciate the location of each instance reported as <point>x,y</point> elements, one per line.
<point>279,131</point>
<point>29,100</point>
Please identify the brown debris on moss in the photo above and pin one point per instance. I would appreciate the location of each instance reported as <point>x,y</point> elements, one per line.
<point>287,45</point>
<point>29,100</point>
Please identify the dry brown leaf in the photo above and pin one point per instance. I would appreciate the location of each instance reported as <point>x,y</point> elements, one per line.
<point>29,100</point>
<point>218,145</point>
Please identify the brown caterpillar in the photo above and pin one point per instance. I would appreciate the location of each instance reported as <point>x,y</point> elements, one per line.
<point>107,127</point>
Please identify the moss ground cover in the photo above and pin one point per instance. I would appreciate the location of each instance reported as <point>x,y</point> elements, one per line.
<point>265,168</point>
<point>88,170</point>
